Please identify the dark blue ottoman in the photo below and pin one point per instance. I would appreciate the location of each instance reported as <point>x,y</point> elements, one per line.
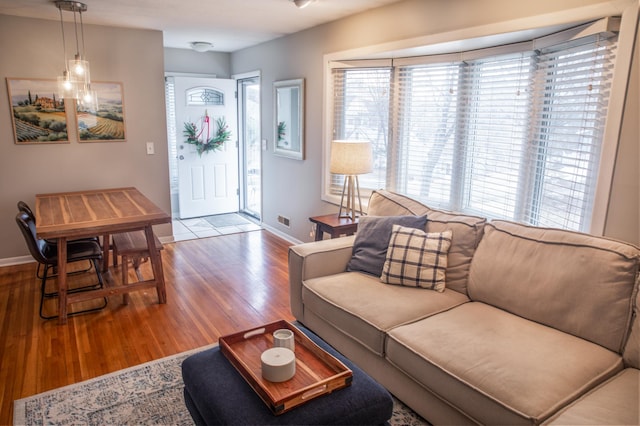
<point>215,393</point>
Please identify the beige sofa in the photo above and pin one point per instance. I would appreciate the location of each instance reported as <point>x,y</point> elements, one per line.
<point>535,325</point>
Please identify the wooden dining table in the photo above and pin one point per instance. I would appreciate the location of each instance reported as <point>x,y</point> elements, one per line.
<point>102,212</point>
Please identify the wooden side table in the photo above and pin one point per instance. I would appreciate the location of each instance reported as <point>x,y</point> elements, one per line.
<point>334,225</point>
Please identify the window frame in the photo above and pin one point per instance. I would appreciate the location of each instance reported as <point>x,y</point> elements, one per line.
<point>435,43</point>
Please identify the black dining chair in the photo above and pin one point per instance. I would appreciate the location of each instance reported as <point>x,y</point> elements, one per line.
<point>24,207</point>
<point>46,254</point>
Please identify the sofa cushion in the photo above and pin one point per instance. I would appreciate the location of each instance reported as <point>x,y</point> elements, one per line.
<point>372,240</point>
<point>416,258</point>
<point>467,231</point>
<point>364,308</point>
<point>615,402</point>
<point>503,369</point>
<point>577,283</point>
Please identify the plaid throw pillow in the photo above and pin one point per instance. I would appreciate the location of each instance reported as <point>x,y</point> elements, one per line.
<point>416,258</point>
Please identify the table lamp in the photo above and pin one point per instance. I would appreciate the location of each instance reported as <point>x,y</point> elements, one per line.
<point>351,158</point>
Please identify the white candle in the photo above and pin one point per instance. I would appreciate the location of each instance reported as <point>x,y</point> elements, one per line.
<point>284,338</point>
<point>278,364</point>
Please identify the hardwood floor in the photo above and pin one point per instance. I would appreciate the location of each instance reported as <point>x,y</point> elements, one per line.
<point>215,286</point>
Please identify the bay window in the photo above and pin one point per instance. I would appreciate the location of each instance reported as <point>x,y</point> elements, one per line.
<point>512,132</point>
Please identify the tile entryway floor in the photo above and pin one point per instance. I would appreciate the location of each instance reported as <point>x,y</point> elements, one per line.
<point>212,226</point>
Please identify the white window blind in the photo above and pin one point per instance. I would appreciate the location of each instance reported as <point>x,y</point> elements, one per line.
<point>170,100</point>
<point>361,112</point>
<point>512,135</point>
<point>426,120</point>
<point>573,89</point>
<point>495,116</point>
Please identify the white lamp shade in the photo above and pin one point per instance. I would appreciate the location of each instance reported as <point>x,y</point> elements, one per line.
<point>351,157</point>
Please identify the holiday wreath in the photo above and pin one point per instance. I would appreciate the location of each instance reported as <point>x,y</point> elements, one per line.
<point>204,143</point>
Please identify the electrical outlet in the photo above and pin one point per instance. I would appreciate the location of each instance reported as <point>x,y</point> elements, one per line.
<point>150,148</point>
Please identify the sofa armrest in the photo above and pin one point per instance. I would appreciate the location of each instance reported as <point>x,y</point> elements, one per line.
<point>315,259</point>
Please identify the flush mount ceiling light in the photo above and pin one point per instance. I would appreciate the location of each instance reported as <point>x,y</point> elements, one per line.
<point>201,46</point>
<point>301,4</point>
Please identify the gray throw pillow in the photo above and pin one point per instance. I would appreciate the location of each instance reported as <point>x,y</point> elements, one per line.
<point>372,240</point>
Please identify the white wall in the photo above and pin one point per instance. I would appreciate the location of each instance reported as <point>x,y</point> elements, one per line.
<point>32,48</point>
<point>293,188</point>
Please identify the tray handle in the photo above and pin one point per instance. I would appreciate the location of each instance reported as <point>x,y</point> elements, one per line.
<point>251,333</point>
<point>313,392</point>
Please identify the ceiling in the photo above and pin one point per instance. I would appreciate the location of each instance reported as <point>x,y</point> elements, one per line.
<point>229,25</point>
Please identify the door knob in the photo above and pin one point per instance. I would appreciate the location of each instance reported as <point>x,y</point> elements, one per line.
<point>181,157</point>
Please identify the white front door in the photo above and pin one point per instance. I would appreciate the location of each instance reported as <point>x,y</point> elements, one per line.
<point>207,182</point>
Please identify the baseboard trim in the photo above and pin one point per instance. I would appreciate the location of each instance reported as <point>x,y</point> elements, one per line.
<point>10,261</point>
<point>167,239</point>
<point>281,234</point>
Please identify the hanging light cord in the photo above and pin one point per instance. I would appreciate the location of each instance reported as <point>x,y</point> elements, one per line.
<point>82,33</point>
<point>64,45</point>
<point>75,27</point>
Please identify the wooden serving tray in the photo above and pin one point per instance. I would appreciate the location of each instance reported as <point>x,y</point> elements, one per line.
<point>317,372</point>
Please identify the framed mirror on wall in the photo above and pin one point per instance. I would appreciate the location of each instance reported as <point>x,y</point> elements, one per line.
<point>288,98</point>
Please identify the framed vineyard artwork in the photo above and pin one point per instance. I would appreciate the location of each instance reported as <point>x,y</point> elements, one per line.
<point>38,116</point>
<point>103,120</point>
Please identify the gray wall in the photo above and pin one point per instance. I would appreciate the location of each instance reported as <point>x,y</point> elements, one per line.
<point>293,188</point>
<point>31,48</point>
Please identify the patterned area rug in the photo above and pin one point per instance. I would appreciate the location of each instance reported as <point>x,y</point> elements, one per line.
<point>147,394</point>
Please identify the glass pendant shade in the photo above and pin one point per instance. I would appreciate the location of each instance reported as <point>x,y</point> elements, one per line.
<point>79,70</point>
<point>88,99</point>
<point>67,87</point>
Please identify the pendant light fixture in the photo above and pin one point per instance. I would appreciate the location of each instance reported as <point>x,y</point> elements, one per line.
<point>75,82</point>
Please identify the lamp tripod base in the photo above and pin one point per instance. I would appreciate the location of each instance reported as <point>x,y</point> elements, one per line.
<point>350,188</point>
